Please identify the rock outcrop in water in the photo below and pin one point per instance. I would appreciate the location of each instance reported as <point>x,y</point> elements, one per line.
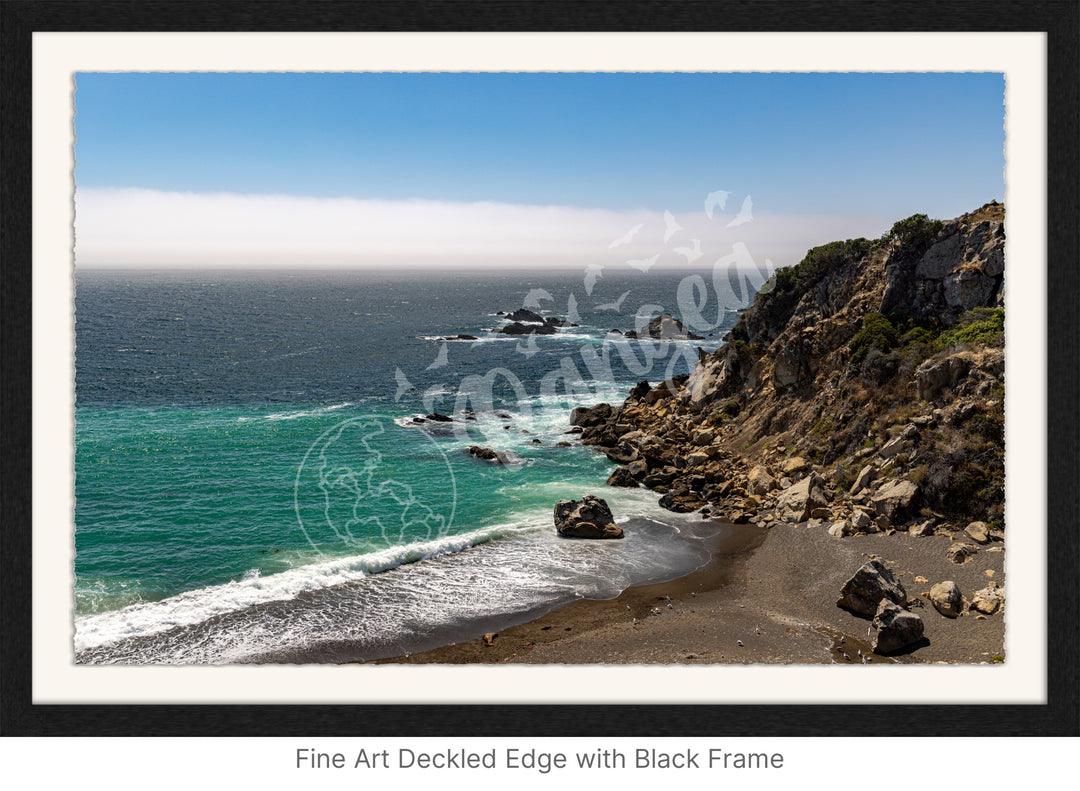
<point>527,322</point>
<point>589,517</point>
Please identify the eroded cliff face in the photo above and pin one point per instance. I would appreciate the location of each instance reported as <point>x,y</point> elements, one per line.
<point>875,367</point>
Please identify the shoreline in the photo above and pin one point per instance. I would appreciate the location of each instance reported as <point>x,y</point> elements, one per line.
<point>772,589</point>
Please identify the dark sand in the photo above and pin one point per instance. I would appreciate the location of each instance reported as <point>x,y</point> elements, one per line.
<point>773,589</point>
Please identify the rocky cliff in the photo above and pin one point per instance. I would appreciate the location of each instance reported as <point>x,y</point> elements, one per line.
<point>864,388</point>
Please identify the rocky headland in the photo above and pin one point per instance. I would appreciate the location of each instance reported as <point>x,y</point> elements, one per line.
<point>851,433</point>
<point>861,393</point>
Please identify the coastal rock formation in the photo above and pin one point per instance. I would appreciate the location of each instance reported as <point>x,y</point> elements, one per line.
<point>517,328</point>
<point>589,517</point>
<point>528,322</point>
<point>524,314</point>
<point>868,586</point>
<point>667,327</point>
<point>896,628</point>
<point>862,392</point>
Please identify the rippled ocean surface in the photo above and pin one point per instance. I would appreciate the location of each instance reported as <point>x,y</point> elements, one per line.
<point>250,486</point>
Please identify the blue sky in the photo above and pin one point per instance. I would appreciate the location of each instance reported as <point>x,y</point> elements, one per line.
<point>855,148</point>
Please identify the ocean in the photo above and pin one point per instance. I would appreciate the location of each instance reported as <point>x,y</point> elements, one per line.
<point>252,484</point>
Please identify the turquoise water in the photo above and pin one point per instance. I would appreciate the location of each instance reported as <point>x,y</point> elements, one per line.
<point>251,486</point>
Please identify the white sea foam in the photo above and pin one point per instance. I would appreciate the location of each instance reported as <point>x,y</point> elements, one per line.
<point>295,415</point>
<point>437,592</point>
<point>195,606</point>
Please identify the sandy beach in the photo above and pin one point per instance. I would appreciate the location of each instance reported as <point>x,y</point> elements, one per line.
<point>774,590</point>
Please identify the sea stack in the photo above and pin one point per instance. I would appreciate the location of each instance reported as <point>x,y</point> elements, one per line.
<point>588,518</point>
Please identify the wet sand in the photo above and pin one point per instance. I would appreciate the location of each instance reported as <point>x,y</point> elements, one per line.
<point>774,590</point>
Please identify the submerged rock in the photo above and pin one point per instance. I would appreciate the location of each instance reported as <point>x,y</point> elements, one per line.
<point>589,517</point>
<point>487,454</point>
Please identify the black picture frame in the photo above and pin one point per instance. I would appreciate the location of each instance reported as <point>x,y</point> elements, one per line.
<point>1059,716</point>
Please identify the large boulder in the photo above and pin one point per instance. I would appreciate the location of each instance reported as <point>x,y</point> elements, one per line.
<point>589,517</point>
<point>869,586</point>
<point>622,477</point>
<point>893,498</point>
<point>978,532</point>
<point>988,600</point>
<point>681,500</point>
<point>804,496</point>
<point>589,416</point>
<point>863,479</point>
<point>623,453</point>
<point>947,599</point>
<point>959,553</point>
<point>896,628</point>
<point>760,481</point>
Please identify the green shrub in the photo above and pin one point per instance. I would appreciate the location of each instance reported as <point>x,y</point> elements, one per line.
<point>920,335</point>
<point>914,234</point>
<point>979,325</point>
<point>775,301</point>
<point>877,332</point>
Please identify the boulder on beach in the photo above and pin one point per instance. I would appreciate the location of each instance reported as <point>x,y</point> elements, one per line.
<point>803,497</point>
<point>896,628</point>
<point>988,600</point>
<point>947,599</point>
<point>868,586</point>
<point>893,498</point>
<point>589,517</point>
<point>681,500</point>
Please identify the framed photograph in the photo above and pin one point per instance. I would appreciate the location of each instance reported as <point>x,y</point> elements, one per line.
<point>532,371</point>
